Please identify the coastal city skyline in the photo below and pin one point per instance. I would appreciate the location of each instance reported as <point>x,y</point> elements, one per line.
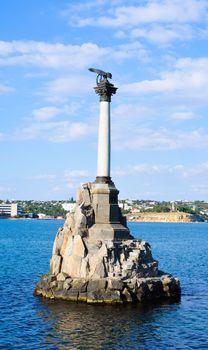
<point>157,54</point>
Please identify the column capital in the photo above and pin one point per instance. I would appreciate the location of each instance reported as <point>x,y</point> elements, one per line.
<point>105,90</point>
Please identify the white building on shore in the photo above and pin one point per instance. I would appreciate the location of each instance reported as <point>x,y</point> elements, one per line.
<point>11,209</point>
<point>68,206</point>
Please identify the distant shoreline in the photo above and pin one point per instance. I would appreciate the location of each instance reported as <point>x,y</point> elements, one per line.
<point>128,221</point>
<point>180,217</point>
<point>169,222</point>
<point>31,219</point>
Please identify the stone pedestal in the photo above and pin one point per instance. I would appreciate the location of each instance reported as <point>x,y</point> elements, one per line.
<point>109,222</point>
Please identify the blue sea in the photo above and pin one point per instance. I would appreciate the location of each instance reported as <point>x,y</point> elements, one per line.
<point>28,322</point>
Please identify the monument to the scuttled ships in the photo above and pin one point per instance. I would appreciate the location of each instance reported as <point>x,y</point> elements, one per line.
<point>95,258</point>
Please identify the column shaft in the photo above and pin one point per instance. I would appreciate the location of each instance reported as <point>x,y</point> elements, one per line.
<point>104,142</point>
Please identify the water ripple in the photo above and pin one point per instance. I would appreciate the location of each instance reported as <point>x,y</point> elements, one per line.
<point>28,322</point>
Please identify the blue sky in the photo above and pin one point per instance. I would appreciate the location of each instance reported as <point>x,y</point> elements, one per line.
<point>157,52</point>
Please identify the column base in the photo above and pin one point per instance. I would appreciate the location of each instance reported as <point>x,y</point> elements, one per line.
<point>103,179</point>
<point>111,231</point>
<point>109,221</point>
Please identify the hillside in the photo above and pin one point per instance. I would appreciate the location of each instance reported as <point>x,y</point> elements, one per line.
<point>165,217</point>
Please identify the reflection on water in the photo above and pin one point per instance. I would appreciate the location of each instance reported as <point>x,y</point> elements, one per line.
<point>82,326</point>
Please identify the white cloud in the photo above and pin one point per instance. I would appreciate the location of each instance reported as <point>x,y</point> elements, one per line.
<point>63,189</point>
<point>120,34</point>
<point>200,189</point>
<point>188,79</point>
<point>186,171</point>
<point>160,21</point>
<point>53,56</point>
<point>67,132</point>
<point>45,113</point>
<point>169,180</point>
<point>34,130</point>
<point>41,177</point>
<point>67,58</point>
<point>76,173</point>
<point>150,11</point>
<point>165,34</point>
<point>5,89</point>
<point>128,51</point>
<point>149,86</point>
<point>63,87</point>
<point>159,139</point>
<point>5,189</point>
<point>79,7</point>
<point>182,116</point>
<point>126,113</point>
<point>54,131</point>
<point>49,112</point>
<point>70,185</point>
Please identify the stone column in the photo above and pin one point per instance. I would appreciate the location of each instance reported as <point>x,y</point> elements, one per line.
<point>104,141</point>
<point>105,90</point>
<point>109,222</point>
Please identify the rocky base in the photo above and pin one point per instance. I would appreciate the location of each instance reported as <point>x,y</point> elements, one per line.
<point>108,290</point>
<point>91,263</point>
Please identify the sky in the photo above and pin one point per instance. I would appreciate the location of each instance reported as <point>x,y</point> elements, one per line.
<point>157,52</point>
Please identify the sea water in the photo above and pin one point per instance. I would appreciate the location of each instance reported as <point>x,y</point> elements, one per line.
<point>28,322</point>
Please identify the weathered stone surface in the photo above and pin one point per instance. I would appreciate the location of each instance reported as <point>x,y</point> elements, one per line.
<point>60,285</point>
<point>79,247</point>
<point>79,285</point>
<point>116,284</point>
<point>64,244</point>
<point>97,267</point>
<point>82,296</point>
<point>96,285</point>
<point>84,269</point>
<point>93,246</point>
<point>102,251</point>
<point>126,296</point>
<point>62,276</point>
<point>97,291</point>
<point>71,294</point>
<point>79,197</point>
<point>86,195</point>
<point>55,264</point>
<point>58,242</point>
<point>69,223</point>
<point>67,284</point>
<point>115,297</point>
<point>72,265</point>
<point>53,284</point>
<point>132,283</point>
<point>51,278</point>
<point>69,246</point>
<point>100,270</point>
<point>95,297</point>
<point>142,292</point>
<point>80,221</point>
